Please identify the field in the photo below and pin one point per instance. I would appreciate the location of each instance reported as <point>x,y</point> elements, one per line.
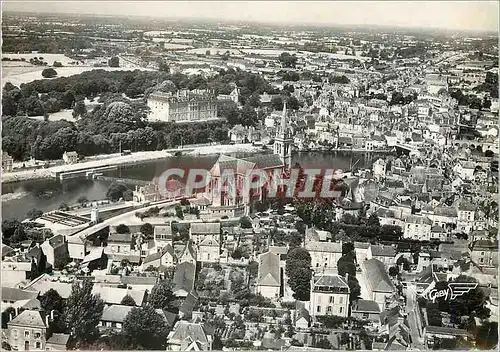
<point>18,75</point>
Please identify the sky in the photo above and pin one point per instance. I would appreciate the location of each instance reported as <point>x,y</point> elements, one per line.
<point>465,15</point>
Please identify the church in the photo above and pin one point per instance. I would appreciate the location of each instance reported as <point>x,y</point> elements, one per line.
<point>220,201</point>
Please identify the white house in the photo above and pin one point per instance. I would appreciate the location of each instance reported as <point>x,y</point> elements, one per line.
<point>329,296</point>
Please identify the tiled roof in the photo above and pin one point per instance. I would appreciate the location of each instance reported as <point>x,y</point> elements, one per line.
<point>205,228</point>
<point>115,313</point>
<point>31,318</point>
<point>184,276</point>
<point>365,306</point>
<point>120,237</point>
<point>265,161</point>
<point>15,294</point>
<point>59,339</point>
<point>152,257</point>
<point>269,269</point>
<point>330,247</point>
<point>377,276</point>
<point>331,281</point>
<point>382,251</point>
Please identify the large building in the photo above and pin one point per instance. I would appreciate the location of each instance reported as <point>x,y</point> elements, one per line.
<point>329,296</point>
<point>184,106</point>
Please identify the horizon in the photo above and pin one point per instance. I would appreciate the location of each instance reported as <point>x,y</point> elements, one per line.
<point>478,16</point>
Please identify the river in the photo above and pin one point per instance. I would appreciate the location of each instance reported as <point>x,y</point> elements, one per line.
<point>19,198</point>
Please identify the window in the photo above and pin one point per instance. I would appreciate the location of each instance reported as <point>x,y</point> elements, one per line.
<point>26,334</point>
<point>318,309</point>
<point>341,300</point>
<point>481,260</point>
<point>38,345</point>
<point>332,299</point>
<point>15,333</point>
<point>37,335</point>
<point>341,309</point>
<point>365,315</point>
<point>329,309</point>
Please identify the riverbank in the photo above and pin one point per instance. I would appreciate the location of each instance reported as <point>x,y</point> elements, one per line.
<point>118,159</point>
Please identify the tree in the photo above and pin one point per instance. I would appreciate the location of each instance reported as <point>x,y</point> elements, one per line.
<point>489,154</point>
<point>49,73</point>
<point>34,213</point>
<point>373,220</point>
<point>147,230</point>
<point>83,311</point>
<point>82,200</point>
<point>128,301</point>
<point>178,212</point>
<point>245,222</point>
<point>253,268</point>
<point>393,271</point>
<point>287,60</point>
<point>57,64</point>
<point>354,288</point>
<point>298,270</point>
<point>163,66</point>
<point>145,329</point>
<point>345,265</point>
<point>122,229</point>
<point>52,300</point>
<point>115,191</point>
<point>79,109</point>
<point>114,62</point>
<point>161,296</point>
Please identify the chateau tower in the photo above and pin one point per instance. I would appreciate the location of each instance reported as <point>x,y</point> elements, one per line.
<point>283,140</point>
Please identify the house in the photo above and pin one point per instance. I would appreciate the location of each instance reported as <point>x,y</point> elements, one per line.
<point>379,285</point>
<point>119,243</point>
<point>56,251</point>
<point>199,231</point>
<point>183,280</point>
<point>17,298</point>
<point>465,169</point>
<point>329,296</point>
<point>269,276</point>
<point>395,326</point>
<point>209,250</point>
<point>96,259</point>
<point>163,235</point>
<point>57,342</point>
<point>113,317</point>
<point>186,309</point>
<point>28,331</point>
<point>189,254</point>
<point>77,247</point>
<point>361,250</point>
<point>187,336</point>
<point>302,318</point>
<point>438,234</point>
<point>383,253</point>
<point>165,257</point>
<point>7,251</point>
<point>7,162</point>
<point>379,169</point>
<point>434,333</point>
<point>366,310</point>
<point>484,253</point>
<point>45,282</point>
<point>324,255</point>
<point>70,157</point>
<point>466,216</point>
<point>15,270</point>
<point>417,228</point>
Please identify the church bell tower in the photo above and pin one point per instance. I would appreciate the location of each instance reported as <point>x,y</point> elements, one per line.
<point>283,140</point>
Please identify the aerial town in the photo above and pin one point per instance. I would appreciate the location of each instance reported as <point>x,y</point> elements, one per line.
<point>194,185</point>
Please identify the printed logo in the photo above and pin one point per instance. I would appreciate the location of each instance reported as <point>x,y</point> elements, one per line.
<point>454,290</point>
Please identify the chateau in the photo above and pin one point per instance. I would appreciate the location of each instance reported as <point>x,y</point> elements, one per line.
<point>184,106</point>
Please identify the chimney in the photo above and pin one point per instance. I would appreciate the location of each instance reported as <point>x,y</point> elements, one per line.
<point>346,277</point>
<point>47,320</point>
<point>52,315</point>
<point>11,316</point>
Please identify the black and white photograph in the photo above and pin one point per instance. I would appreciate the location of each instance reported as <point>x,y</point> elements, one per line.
<point>249,175</point>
